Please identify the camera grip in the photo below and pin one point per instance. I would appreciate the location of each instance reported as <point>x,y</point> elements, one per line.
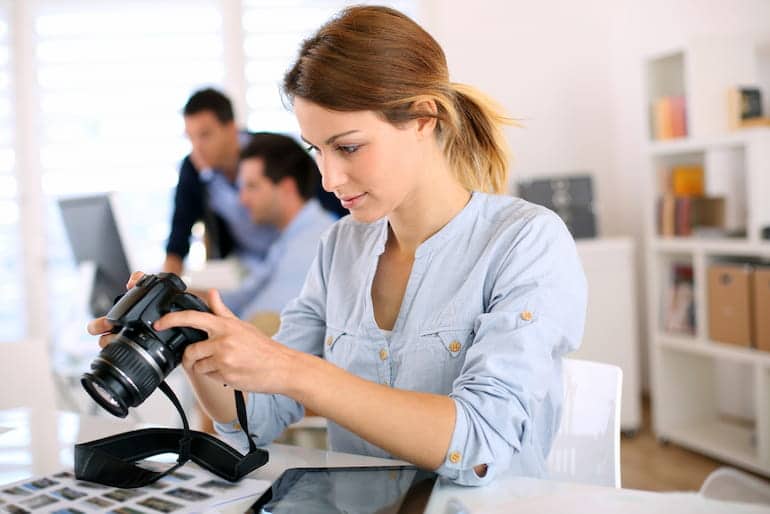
<point>187,301</point>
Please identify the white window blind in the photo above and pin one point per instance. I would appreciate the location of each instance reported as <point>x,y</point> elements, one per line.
<point>112,79</point>
<point>273,31</point>
<point>12,307</point>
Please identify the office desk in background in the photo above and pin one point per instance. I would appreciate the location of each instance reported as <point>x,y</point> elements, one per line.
<point>24,454</point>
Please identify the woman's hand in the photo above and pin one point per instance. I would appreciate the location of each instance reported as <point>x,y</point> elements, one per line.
<point>235,353</point>
<point>102,327</point>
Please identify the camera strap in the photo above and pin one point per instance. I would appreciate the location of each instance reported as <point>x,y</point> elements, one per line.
<point>113,460</point>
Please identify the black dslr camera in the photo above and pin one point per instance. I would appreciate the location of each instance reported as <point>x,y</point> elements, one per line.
<point>129,369</point>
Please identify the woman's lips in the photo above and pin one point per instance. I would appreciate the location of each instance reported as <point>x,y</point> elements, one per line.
<point>350,202</point>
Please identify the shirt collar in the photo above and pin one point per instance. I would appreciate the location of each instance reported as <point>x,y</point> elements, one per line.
<point>438,239</point>
<point>310,212</point>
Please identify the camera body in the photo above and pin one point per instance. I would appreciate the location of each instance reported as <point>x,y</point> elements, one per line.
<point>132,366</point>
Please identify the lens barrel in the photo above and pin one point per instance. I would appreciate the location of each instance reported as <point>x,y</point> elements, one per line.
<point>126,372</point>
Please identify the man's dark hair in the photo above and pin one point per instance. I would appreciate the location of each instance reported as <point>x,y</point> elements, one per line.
<point>210,100</point>
<point>284,157</point>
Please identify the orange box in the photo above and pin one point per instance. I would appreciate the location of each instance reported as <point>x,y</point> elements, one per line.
<point>729,303</point>
<point>761,305</point>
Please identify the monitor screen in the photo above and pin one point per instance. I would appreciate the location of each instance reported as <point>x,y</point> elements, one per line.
<point>94,237</point>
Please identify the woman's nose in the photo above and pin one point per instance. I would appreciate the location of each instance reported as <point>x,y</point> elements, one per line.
<point>333,175</point>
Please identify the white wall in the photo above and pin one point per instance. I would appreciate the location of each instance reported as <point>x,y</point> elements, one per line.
<point>572,71</point>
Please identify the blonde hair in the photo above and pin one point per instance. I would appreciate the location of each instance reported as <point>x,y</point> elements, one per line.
<point>377,59</point>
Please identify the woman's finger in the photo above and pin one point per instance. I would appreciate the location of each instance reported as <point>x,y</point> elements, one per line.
<point>188,318</point>
<point>197,351</point>
<point>105,340</point>
<point>134,278</point>
<point>99,326</point>
<point>217,306</point>
<point>205,366</point>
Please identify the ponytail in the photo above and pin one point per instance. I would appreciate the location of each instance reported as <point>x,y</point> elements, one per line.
<point>371,58</point>
<point>474,143</point>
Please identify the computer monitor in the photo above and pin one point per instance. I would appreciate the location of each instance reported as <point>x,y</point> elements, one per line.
<point>93,234</point>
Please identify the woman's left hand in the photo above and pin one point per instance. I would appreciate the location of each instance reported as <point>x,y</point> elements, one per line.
<point>235,352</point>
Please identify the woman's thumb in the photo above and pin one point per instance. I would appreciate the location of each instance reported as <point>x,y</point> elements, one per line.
<point>217,306</point>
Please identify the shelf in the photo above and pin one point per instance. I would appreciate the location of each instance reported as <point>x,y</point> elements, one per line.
<point>692,145</point>
<point>695,346</point>
<point>688,145</point>
<point>725,441</point>
<point>697,382</point>
<point>715,246</point>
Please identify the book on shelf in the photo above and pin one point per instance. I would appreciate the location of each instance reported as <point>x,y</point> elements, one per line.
<point>669,117</point>
<point>683,216</point>
<point>679,305</point>
<point>687,180</point>
<point>683,208</point>
<point>744,107</point>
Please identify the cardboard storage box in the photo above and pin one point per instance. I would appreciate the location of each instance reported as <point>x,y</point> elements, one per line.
<point>761,301</point>
<point>729,303</point>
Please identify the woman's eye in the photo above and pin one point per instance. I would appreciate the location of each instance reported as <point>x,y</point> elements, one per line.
<point>348,149</point>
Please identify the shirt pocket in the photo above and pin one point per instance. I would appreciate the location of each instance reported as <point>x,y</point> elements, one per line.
<point>352,352</point>
<point>435,359</point>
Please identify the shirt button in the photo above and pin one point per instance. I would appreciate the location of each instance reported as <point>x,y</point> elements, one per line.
<point>236,426</point>
<point>455,346</point>
<point>526,316</point>
<point>329,341</point>
<point>454,457</point>
<point>383,354</point>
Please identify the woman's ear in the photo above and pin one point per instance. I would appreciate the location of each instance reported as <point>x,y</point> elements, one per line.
<point>426,125</point>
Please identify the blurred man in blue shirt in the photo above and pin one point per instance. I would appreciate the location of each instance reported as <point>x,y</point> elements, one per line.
<point>278,179</point>
<point>207,190</point>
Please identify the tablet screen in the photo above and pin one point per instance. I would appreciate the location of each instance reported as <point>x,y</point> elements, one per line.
<point>381,490</point>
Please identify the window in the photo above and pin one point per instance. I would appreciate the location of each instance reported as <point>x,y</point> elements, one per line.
<point>272,33</point>
<point>112,78</point>
<point>104,82</point>
<point>12,309</point>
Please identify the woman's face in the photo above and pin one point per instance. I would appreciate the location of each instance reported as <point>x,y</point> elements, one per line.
<point>369,164</point>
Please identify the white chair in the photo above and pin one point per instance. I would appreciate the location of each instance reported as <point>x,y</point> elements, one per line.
<point>729,484</point>
<point>586,448</point>
<point>26,376</point>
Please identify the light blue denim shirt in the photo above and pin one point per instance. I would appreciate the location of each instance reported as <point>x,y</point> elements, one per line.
<point>494,300</point>
<point>273,282</point>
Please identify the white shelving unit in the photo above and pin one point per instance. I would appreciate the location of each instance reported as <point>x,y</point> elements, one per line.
<point>698,384</point>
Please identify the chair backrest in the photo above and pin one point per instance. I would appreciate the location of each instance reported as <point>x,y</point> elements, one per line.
<point>729,484</point>
<point>586,448</point>
<point>26,375</point>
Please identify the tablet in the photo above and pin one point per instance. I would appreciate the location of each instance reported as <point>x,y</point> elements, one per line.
<point>377,489</point>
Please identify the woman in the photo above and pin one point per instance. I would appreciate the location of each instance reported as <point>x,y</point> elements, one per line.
<point>433,321</point>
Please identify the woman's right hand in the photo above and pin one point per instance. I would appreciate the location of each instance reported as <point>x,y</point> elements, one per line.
<point>103,328</point>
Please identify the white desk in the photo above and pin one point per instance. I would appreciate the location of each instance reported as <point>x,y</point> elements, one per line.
<point>23,455</point>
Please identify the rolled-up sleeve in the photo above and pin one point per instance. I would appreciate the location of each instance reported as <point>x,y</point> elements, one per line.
<point>508,394</point>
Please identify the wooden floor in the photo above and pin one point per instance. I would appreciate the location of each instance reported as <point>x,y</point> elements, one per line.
<point>647,464</point>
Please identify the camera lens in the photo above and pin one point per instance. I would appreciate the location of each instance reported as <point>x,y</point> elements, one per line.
<point>126,372</point>
<point>105,395</point>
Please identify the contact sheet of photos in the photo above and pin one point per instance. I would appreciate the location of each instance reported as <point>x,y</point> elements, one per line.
<point>190,489</point>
